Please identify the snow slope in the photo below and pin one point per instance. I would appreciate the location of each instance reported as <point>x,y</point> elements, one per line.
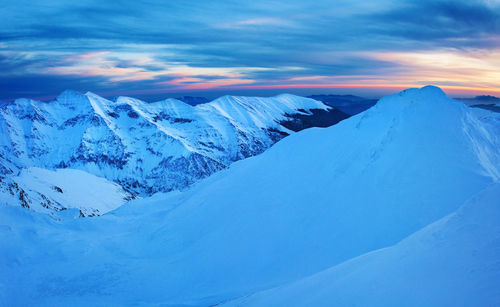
<point>314,200</point>
<point>452,262</point>
<point>45,190</point>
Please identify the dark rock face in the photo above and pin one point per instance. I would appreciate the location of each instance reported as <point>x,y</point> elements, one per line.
<point>488,98</point>
<point>490,107</point>
<point>317,118</point>
<point>57,189</point>
<point>191,100</point>
<point>348,104</point>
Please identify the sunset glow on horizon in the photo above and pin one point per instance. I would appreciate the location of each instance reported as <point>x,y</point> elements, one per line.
<point>325,46</point>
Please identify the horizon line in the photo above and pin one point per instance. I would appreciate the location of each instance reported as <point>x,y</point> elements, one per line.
<point>456,89</point>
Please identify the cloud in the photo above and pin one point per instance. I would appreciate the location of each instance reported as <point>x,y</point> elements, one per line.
<point>260,42</point>
<point>477,68</point>
<point>445,23</point>
<point>256,22</point>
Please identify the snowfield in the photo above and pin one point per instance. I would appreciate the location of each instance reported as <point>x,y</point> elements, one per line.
<point>71,188</point>
<point>397,205</point>
<point>452,262</point>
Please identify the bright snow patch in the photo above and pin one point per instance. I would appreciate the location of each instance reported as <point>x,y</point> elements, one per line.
<point>73,189</point>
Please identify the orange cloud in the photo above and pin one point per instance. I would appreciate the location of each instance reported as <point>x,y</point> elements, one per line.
<point>110,65</point>
<point>92,54</point>
<point>452,68</point>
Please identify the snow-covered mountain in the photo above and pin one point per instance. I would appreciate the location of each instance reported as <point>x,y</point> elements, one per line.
<point>315,200</point>
<point>144,147</point>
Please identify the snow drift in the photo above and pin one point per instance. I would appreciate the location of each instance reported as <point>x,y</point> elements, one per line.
<point>452,262</point>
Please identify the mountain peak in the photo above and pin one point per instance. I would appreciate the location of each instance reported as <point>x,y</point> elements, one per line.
<point>433,89</point>
<point>171,101</point>
<point>68,95</point>
<point>127,100</point>
<point>90,94</point>
<point>428,91</point>
<point>427,95</point>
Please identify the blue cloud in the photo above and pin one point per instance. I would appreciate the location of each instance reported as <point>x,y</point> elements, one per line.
<point>325,38</point>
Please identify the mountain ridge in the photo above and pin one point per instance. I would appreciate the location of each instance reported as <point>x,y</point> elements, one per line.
<point>148,147</point>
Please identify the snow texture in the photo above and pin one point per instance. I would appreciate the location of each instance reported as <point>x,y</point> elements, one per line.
<point>314,213</point>
<point>66,188</point>
<point>452,262</point>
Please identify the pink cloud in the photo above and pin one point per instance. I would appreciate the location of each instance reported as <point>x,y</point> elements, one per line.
<point>208,84</point>
<point>181,81</point>
<point>263,21</point>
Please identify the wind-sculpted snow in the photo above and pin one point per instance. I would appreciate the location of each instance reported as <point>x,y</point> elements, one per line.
<point>452,262</point>
<point>144,147</point>
<point>311,202</point>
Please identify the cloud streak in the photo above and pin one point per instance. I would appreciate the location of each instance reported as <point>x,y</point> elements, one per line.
<point>182,46</point>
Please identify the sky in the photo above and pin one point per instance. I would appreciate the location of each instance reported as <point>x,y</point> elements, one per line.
<point>153,49</point>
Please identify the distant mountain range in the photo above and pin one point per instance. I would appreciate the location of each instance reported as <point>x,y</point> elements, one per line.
<point>487,102</point>
<point>348,104</point>
<point>483,99</point>
<point>192,100</point>
<point>143,147</point>
<point>351,104</point>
